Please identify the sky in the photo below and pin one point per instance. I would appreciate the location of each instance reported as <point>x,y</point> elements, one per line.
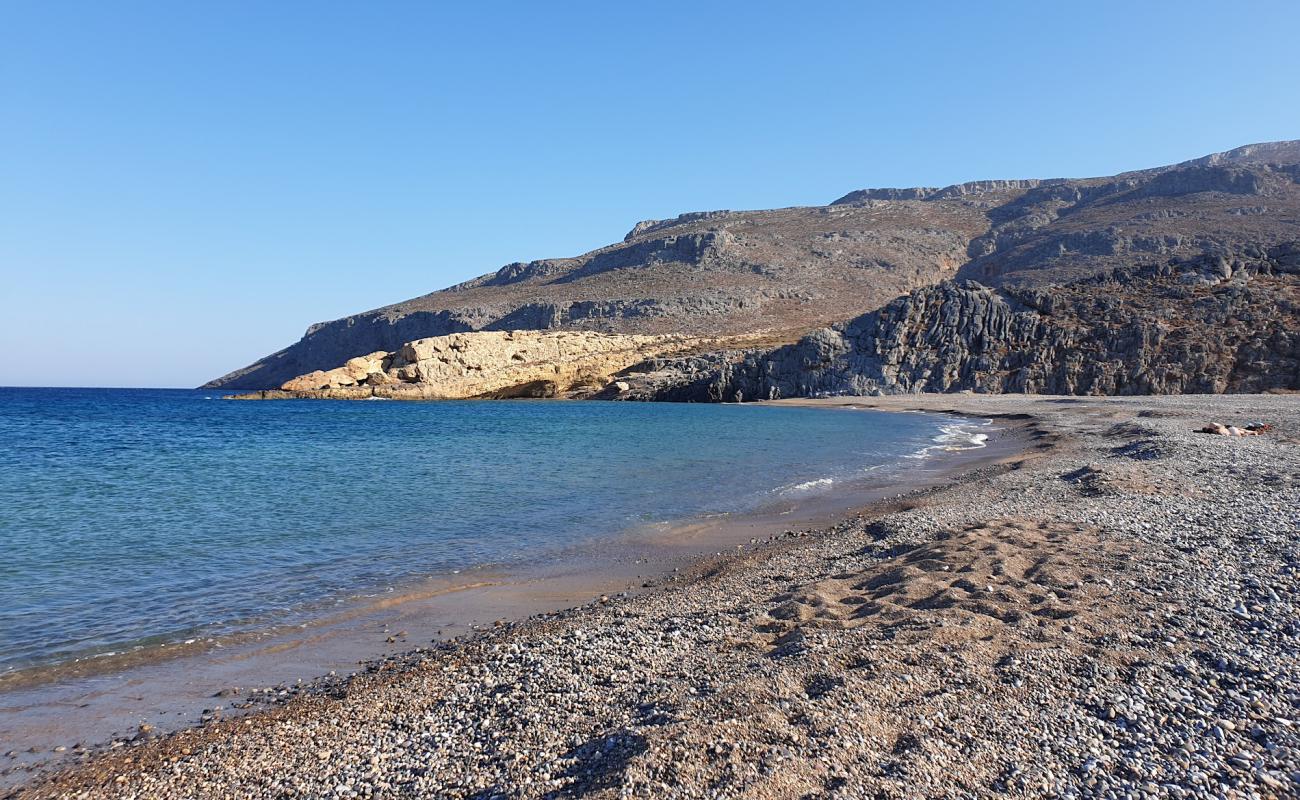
<point>186,186</point>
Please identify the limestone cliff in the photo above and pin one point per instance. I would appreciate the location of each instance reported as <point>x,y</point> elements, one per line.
<point>1225,323</point>
<point>487,364</point>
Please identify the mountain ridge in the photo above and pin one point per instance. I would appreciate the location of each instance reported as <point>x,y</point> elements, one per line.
<point>785,272</point>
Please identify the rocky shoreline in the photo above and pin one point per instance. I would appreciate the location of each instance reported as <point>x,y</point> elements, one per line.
<point>493,365</point>
<point>1115,614</point>
<point>1209,325</point>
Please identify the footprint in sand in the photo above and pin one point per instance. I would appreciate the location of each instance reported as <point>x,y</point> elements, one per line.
<point>1000,574</point>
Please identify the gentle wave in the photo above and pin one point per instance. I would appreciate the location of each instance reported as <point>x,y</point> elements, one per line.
<point>805,486</point>
<point>957,437</point>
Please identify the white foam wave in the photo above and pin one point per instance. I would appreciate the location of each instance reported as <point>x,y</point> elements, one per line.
<point>956,437</point>
<point>805,486</point>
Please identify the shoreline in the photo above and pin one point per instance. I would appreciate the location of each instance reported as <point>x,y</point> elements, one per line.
<point>149,649</point>
<point>1114,613</point>
<point>191,684</point>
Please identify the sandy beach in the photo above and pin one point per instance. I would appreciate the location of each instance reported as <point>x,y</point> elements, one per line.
<point>1112,612</point>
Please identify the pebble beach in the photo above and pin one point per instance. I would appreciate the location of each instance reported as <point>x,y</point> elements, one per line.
<point>1112,612</point>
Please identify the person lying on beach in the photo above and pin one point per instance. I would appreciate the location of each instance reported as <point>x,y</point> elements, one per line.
<point>1220,429</point>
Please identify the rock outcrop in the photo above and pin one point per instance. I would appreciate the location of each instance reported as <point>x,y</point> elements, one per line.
<point>494,364</point>
<point>786,272</point>
<point>1209,325</point>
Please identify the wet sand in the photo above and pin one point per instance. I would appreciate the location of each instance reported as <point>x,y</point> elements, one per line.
<point>56,716</point>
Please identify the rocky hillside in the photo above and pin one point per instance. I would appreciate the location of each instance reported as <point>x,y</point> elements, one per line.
<point>1208,325</point>
<point>780,272</point>
<point>788,271</point>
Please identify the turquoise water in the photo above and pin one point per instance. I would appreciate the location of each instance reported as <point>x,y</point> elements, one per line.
<point>132,516</point>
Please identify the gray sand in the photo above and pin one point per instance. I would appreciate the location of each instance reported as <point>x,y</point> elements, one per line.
<point>1113,615</point>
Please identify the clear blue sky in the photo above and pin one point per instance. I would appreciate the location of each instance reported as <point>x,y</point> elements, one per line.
<point>185,186</point>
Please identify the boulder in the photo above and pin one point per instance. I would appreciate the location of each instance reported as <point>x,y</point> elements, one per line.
<point>361,367</point>
<point>306,383</point>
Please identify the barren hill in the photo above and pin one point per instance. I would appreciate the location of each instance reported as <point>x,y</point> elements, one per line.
<point>788,271</point>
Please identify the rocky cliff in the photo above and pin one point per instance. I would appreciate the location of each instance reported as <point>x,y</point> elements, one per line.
<point>487,364</point>
<point>785,272</point>
<point>1226,323</point>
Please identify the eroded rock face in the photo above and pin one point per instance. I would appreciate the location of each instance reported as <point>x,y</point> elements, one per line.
<point>487,364</point>
<point>1226,323</point>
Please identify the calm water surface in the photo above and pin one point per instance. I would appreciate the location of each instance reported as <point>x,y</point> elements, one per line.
<point>136,516</point>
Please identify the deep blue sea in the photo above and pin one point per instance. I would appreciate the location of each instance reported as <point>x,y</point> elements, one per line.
<point>136,516</point>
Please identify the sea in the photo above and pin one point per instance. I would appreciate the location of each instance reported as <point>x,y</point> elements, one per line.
<point>137,517</point>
